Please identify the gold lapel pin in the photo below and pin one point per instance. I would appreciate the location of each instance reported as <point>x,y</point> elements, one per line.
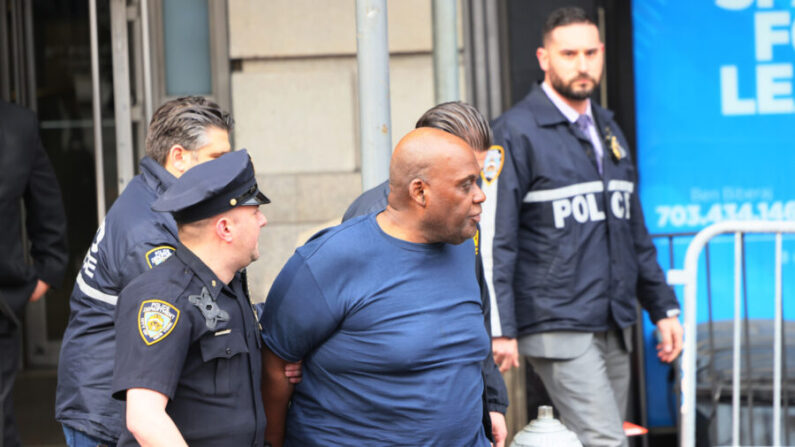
<point>615,147</point>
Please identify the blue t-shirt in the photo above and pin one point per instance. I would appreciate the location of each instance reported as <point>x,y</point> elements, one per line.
<point>392,338</point>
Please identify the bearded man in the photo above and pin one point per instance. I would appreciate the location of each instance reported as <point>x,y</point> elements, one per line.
<point>569,250</point>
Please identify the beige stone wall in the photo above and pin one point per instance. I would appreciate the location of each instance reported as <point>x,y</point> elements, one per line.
<point>311,28</point>
<point>294,98</point>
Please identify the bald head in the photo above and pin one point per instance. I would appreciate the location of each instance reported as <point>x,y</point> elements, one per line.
<point>434,196</point>
<point>415,157</point>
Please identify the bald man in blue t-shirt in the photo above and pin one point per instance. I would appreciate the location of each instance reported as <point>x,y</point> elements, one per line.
<point>386,315</point>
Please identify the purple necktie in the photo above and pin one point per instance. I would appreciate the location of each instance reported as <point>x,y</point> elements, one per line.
<point>584,123</point>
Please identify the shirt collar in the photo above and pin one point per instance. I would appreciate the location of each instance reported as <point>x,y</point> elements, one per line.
<point>200,269</point>
<point>564,108</point>
<point>156,175</point>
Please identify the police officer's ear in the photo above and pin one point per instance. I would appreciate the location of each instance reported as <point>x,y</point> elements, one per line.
<point>223,228</point>
<point>178,160</point>
<point>418,191</point>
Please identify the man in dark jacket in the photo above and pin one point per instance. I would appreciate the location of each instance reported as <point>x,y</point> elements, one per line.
<point>131,240</point>
<point>566,247</point>
<point>27,177</point>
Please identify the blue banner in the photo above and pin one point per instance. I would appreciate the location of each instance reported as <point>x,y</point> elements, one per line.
<point>716,141</point>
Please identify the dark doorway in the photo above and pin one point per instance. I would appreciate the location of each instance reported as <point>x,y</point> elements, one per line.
<point>525,21</point>
<point>63,102</point>
<point>46,66</point>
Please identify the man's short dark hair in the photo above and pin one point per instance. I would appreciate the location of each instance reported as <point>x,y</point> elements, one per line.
<point>184,121</point>
<point>460,119</point>
<point>569,15</point>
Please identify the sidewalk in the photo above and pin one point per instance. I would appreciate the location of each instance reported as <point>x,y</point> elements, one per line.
<point>34,402</point>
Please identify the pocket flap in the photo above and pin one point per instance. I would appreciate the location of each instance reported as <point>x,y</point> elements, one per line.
<point>222,346</point>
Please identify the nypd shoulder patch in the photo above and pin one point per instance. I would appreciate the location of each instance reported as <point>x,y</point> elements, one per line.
<point>157,255</point>
<point>492,166</point>
<point>156,319</point>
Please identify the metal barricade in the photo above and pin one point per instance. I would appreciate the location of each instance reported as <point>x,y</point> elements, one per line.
<point>688,277</point>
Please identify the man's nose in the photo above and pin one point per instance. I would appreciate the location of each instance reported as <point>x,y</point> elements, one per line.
<point>582,62</point>
<point>480,196</point>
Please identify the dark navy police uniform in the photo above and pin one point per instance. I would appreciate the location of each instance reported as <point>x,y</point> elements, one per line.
<point>209,369</point>
<point>131,240</point>
<point>569,252</point>
<point>373,200</point>
<point>570,246</point>
<point>183,333</point>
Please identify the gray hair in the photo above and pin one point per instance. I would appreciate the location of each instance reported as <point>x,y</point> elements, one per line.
<point>184,121</point>
<point>460,119</point>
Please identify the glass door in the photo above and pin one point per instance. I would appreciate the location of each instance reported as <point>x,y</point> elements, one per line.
<point>45,65</point>
<point>46,50</point>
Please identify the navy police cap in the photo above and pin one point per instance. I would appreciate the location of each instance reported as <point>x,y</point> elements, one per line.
<point>212,188</point>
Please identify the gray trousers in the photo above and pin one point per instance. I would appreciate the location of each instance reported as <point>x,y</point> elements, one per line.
<point>587,377</point>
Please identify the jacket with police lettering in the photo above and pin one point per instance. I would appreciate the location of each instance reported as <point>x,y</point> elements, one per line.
<point>569,248</point>
<point>131,240</point>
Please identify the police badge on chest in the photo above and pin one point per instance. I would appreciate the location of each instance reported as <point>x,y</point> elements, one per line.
<point>611,142</point>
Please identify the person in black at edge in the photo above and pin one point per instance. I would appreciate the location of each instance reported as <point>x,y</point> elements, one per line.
<point>188,356</point>
<point>464,121</point>
<point>26,175</point>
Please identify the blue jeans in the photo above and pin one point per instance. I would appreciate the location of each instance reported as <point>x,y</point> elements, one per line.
<point>76,438</point>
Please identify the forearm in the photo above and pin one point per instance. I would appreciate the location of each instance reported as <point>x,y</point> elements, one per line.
<point>157,429</point>
<point>652,290</point>
<point>276,393</point>
<point>46,222</point>
<point>148,421</point>
<point>496,392</point>
<point>498,428</point>
<point>39,291</point>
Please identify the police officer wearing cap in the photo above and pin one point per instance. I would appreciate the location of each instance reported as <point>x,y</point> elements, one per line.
<point>188,348</point>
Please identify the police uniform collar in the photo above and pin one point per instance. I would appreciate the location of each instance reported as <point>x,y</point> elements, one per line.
<point>544,110</point>
<point>546,113</point>
<point>155,175</point>
<point>200,269</point>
